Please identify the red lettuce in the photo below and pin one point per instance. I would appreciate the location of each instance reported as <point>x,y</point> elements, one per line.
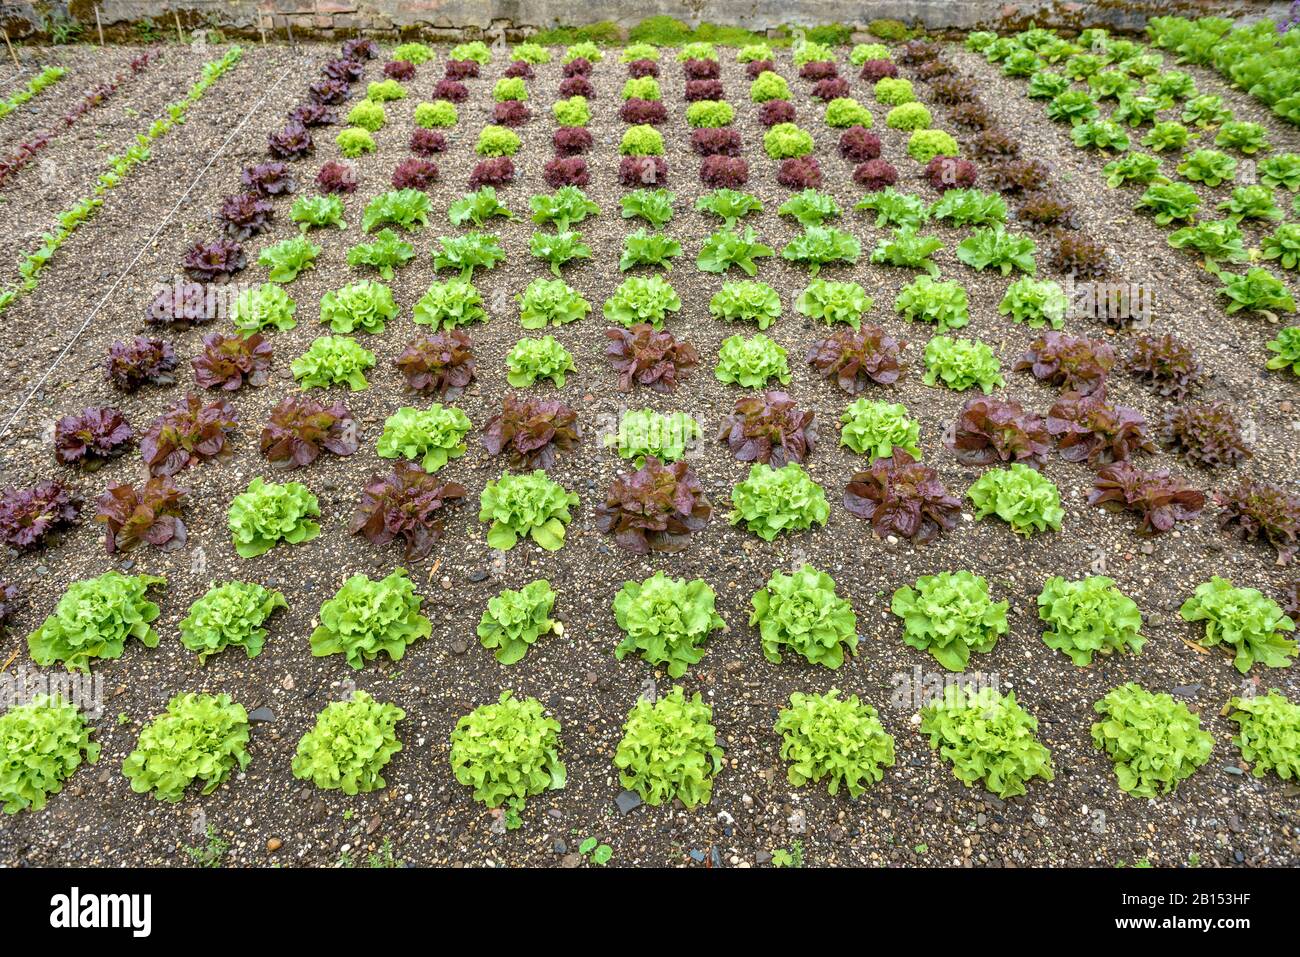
<point>1073,363</point>
<point>830,89</point>
<point>530,431</point>
<point>1255,510</point>
<point>229,361</point>
<point>312,114</point>
<point>636,171</point>
<point>336,177</point>
<point>902,497</point>
<point>769,428</point>
<point>639,68</point>
<point>142,360</point>
<point>328,92</point>
<point>91,436</point>
<point>511,113</point>
<point>731,172</point>
<point>645,112</point>
<point>566,171</point>
<point>571,140</point>
<point>802,172</point>
<point>439,364</point>
<point>184,303</point>
<point>1088,428</point>
<point>245,214</point>
<point>405,504</point>
<point>215,261</point>
<point>642,355</point>
<point>1205,433</point>
<point>1158,498</point>
<point>654,509</point>
<point>450,90</point>
<point>188,433</point>
<point>27,515</point>
<point>399,70</point>
<point>492,172</point>
<point>519,68</point>
<point>150,514</point>
<point>461,69</point>
<point>292,142</point>
<point>579,66</point>
<point>874,70</point>
<point>722,141</point>
<point>949,172</point>
<point>1166,364</point>
<point>301,426</point>
<point>415,173</point>
<point>701,69</point>
<point>704,90</point>
<point>427,142</point>
<point>875,174</point>
<point>819,70</point>
<point>858,144</point>
<point>268,179</point>
<point>577,86</point>
<point>857,359</point>
<point>991,431</point>
<point>773,112</point>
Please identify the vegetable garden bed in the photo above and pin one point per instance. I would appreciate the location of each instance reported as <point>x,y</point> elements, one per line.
<point>881,581</point>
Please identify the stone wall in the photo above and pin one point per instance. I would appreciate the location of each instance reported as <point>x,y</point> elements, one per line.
<point>447,19</point>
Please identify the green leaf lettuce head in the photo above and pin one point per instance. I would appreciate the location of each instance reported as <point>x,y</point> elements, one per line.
<point>987,737</point>
<point>1252,624</point>
<point>839,740</point>
<point>770,501</point>
<point>366,617</point>
<point>349,746</point>
<point>508,752</point>
<point>94,619</point>
<point>434,435</point>
<point>286,259</point>
<point>748,300</point>
<point>961,363</point>
<point>229,614</point>
<point>644,432</point>
<point>550,302</point>
<point>669,750</point>
<point>1154,740</point>
<point>666,620</point>
<point>514,620</point>
<point>1089,617</point>
<point>264,307</point>
<point>752,362</point>
<point>833,302</point>
<point>333,360</point>
<point>41,744</point>
<point>876,429</point>
<point>802,613</point>
<point>1269,734</point>
<point>950,615</point>
<point>200,737</point>
<point>534,360</point>
<point>449,304</point>
<point>364,305</point>
<point>642,299</point>
<point>1022,497</point>
<point>268,513</point>
<point>526,505</point>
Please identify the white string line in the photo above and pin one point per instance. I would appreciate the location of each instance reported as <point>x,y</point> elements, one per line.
<point>118,281</point>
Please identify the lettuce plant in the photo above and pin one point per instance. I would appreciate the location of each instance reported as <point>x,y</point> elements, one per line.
<point>1166,136</point>
<point>562,209</point>
<point>263,307</point>
<point>434,435</point>
<point>267,513</point>
<point>787,141</point>
<point>642,299</point>
<point>1257,290</point>
<point>833,302</point>
<point>550,302</point>
<point>1268,733</point>
<point>876,429</point>
<point>925,145</point>
<point>366,617</point>
<point>385,254</point>
<point>478,208</point>
<point>726,248</point>
<point>1158,498</point>
<point>94,618</point>
<point>902,497</point>
<point>507,752</point>
<point>768,86</point>
<point>926,300</point>
<point>1283,245</point>
<point>187,434</point>
<point>231,361</point>
<point>333,360</point>
<point>969,207</point>
<point>1206,433</point>
<point>1165,364</point>
<point>531,360</point>
<point>514,620</point>
<point>1248,138</point>
<point>802,613</point>
<point>841,741</point>
<point>349,745</point>
<point>1022,497</point>
<point>656,508</point>
<point>987,737</point>
<point>644,248</point>
<point>751,362</point>
<point>406,504</point>
<point>810,207</point>
<point>993,247</point>
<point>335,178</point>
<point>150,513</point>
<point>666,621</point>
<point>495,142</point>
<point>29,515</point>
<point>446,305</point>
<point>1215,240</point>
<point>641,140</point>
<point>91,437</point>
<point>435,115</point>
<point>43,743</point>
<point>950,615</point>
<point>1101,135</point>
<point>893,208</point>
<point>1089,617</point>
<point>354,141</point>
<point>1154,740</point>
<point>140,361</point>
<point>644,433</point>
<point>641,88</point>
<point>1251,202</point>
<point>770,501</point>
<point>822,245</point>
<point>364,305</point>
<point>200,737</point>
<point>961,363</point>
<point>557,249</point>
<point>572,111</point>
<point>1035,303</point>
<point>367,115</point>
<point>1208,166</point>
<point>710,114</point>
<point>530,431</point>
<point>730,205</point>
<point>526,505</point>
<point>669,750</point>
<point>1170,202</point>
<point>1074,107</point>
<point>229,614</point>
<point>747,300</point>
<point>1073,363</point>
<point>1253,625</point>
<point>1280,169</point>
<point>857,359</point>
<point>904,248</point>
<point>655,206</point>
<point>893,91</point>
<point>467,253</point>
<point>769,428</point>
<point>407,209</point>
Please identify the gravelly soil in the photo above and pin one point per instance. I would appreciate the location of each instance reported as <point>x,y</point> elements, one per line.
<point>920,814</point>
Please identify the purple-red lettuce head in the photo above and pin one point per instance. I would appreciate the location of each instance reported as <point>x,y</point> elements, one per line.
<point>91,436</point>
<point>150,514</point>
<point>301,426</point>
<point>902,497</point>
<point>654,509</point>
<point>769,428</point>
<point>405,505</point>
<point>530,431</point>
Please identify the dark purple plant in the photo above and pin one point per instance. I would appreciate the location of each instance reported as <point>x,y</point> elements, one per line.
<point>184,303</point>
<point>875,174</point>
<point>831,89</point>
<point>415,173</point>
<point>91,436</point>
<point>215,261</point>
<point>450,90</point>
<point>313,114</point>
<point>635,171</point>
<point>949,172</point>
<point>1088,428</point>
<point>492,172</point>
<point>440,363</point>
<point>27,515</point>
<point>716,142</point>
<point>300,427</point>
<point>1165,364</point>
<point>268,179</point>
<point>292,142</point>
<point>993,431</point>
<point>801,172</point>
<point>730,172</point>
<point>644,112</point>
<point>566,171</point>
<point>874,70</point>
<point>1072,363</point>
<point>245,214</point>
<point>336,177</point>
<point>150,514</point>
<point>701,69</point>
<point>571,140</point>
<point>427,142</point>
<point>773,112</point>
<point>819,70</point>
<point>577,67</point>
<point>1205,433</point>
<point>1255,510</point>
<point>399,70</point>
<point>858,144</point>
<point>140,361</point>
<point>856,360</point>
<point>769,428</point>
<point>530,431</point>
<point>510,113</point>
<point>1158,498</point>
<point>188,433</point>
<point>902,497</point>
<point>577,86</point>
<point>639,68</point>
<point>520,69</point>
<point>461,69</point>
<point>329,92</point>
<point>642,355</point>
<point>654,509</point>
<point>230,360</point>
<point>704,90</point>
<point>407,504</point>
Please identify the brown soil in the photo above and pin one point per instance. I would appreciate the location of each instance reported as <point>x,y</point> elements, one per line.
<point>918,815</point>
